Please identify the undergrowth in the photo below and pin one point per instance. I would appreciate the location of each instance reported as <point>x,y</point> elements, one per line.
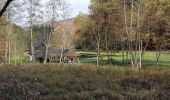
<point>83,82</point>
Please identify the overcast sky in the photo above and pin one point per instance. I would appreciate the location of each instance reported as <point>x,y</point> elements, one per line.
<point>78,6</point>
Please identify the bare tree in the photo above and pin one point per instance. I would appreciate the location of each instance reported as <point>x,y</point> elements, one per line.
<point>52,6</point>
<point>65,13</point>
<point>34,10</point>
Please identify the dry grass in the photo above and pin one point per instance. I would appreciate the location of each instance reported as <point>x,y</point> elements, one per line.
<point>83,82</point>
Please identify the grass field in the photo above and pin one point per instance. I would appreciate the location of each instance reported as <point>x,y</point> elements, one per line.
<point>149,58</point>
<point>83,82</point>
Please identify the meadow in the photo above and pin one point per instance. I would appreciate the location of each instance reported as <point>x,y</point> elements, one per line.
<point>149,57</point>
<point>83,82</point>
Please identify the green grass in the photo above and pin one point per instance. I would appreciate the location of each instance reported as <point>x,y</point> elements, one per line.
<point>152,55</point>
<point>149,57</point>
<point>83,82</point>
<point>20,60</point>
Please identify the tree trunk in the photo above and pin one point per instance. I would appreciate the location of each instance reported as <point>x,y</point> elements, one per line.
<point>123,55</point>
<point>63,42</point>
<point>9,53</point>
<point>6,52</point>
<point>47,47</point>
<point>7,38</point>
<point>131,37</point>
<point>48,43</point>
<point>31,33</point>
<point>98,48</point>
<point>15,50</point>
<point>98,54</point>
<point>61,55</point>
<point>46,54</point>
<point>32,47</point>
<point>158,54</point>
<point>127,33</point>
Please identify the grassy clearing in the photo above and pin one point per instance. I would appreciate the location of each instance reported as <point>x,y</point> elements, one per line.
<point>83,82</point>
<point>149,57</point>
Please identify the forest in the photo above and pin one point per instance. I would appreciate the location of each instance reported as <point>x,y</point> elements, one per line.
<point>119,50</point>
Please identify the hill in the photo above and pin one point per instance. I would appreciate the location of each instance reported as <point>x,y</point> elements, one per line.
<point>64,31</point>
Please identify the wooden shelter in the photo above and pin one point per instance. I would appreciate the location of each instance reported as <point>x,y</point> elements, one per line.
<point>71,57</point>
<point>68,56</point>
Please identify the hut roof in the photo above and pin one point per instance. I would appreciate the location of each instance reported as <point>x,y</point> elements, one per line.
<point>66,53</point>
<point>57,52</point>
<point>71,54</point>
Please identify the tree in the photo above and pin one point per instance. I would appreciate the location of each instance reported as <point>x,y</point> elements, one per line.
<point>52,7</point>
<point>106,17</point>
<point>84,37</point>
<point>156,22</point>
<point>145,20</point>
<point>65,13</point>
<point>34,11</point>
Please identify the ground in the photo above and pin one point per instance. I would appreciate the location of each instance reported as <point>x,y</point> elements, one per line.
<point>83,82</point>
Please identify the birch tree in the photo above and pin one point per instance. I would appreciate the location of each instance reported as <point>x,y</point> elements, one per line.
<point>65,13</point>
<point>52,11</point>
<point>145,19</point>
<point>34,10</point>
<point>134,36</point>
<point>97,28</point>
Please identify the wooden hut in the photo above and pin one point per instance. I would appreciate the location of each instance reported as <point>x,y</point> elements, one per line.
<point>69,56</point>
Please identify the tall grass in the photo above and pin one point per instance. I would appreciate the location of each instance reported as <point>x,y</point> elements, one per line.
<point>83,82</point>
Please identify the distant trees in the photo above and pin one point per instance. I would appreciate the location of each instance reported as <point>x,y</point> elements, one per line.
<point>12,35</point>
<point>13,44</point>
<point>129,26</point>
<point>105,21</point>
<point>156,21</point>
<point>83,37</point>
<point>9,33</point>
<point>88,35</point>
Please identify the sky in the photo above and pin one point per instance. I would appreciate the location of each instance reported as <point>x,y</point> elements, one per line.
<point>77,6</point>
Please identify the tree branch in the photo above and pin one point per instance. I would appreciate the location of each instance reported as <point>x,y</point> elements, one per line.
<point>5,7</point>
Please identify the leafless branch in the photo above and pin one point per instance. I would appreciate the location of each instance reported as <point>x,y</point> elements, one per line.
<point>5,7</point>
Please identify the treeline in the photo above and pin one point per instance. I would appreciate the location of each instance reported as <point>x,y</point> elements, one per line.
<point>28,26</point>
<point>133,26</point>
<point>13,42</point>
